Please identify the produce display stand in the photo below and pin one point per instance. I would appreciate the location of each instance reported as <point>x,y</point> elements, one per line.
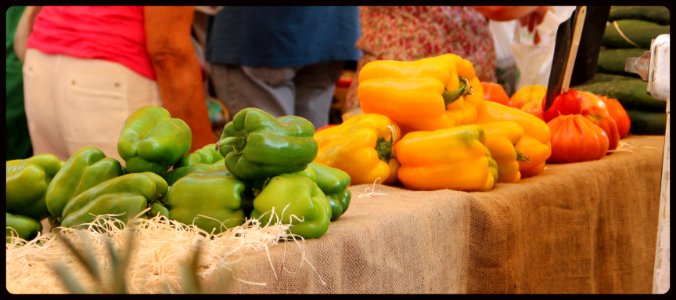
<point>585,227</point>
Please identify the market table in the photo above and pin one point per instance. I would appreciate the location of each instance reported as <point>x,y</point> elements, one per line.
<point>576,228</point>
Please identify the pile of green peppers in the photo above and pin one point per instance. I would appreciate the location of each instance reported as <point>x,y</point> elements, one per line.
<point>261,167</point>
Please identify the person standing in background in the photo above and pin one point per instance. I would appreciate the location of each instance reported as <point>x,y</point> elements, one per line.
<point>87,68</point>
<point>415,32</point>
<point>285,60</point>
<point>527,45</point>
<point>17,140</point>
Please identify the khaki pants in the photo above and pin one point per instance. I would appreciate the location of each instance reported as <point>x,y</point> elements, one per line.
<point>72,103</point>
<point>305,91</point>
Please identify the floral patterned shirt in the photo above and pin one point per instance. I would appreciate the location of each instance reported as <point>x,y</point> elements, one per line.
<point>414,32</point>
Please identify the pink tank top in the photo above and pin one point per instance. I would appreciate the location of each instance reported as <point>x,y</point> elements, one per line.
<point>112,33</point>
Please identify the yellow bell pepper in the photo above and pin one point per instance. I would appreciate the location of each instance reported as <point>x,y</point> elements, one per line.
<point>527,94</point>
<point>532,126</point>
<point>501,139</point>
<point>536,149</point>
<point>450,158</point>
<point>362,147</point>
<point>426,94</point>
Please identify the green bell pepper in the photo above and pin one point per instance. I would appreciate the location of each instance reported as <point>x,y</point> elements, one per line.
<point>335,185</point>
<point>204,159</point>
<point>208,154</point>
<point>174,175</point>
<point>26,184</point>
<point>296,200</point>
<point>24,227</point>
<point>158,208</point>
<point>257,145</point>
<point>152,141</point>
<point>211,201</point>
<point>86,168</point>
<point>128,195</point>
<point>255,186</point>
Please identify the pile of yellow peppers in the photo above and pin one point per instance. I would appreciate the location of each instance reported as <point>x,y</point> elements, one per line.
<point>426,124</point>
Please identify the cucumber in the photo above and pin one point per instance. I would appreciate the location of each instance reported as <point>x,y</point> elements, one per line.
<point>657,14</point>
<point>603,77</point>
<point>639,32</point>
<point>645,122</point>
<point>631,92</point>
<point>612,60</point>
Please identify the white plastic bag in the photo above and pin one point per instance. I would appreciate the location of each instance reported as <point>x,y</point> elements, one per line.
<point>534,60</point>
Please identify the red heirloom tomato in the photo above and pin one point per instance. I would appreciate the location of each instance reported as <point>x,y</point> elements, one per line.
<point>564,104</point>
<point>495,92</point>
<point>616,110</point>
<point>575,138</point>
<point>595,110</point>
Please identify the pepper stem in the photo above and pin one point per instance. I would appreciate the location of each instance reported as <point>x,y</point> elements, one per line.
<point>464,89</point>
<point>384,147</point>
<point>520,156</point>
<point>239,146</point>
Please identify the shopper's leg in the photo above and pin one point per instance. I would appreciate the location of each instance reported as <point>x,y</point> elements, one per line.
<point>315,85</point>
<point>99,97</point>
<point>270,89</point>
<point>43,108</point>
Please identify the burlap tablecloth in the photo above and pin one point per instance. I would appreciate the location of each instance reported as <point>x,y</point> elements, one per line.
<point>576,228</point>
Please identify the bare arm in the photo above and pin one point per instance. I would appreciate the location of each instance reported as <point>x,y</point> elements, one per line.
<point>507,13</point>
<point>23,30</point>
<point>177,68</point>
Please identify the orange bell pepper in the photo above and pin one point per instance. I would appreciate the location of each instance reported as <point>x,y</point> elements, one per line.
<point>534,155</point>
<point>414,104</point>
<point>362,147</point>
<point>464,110</point>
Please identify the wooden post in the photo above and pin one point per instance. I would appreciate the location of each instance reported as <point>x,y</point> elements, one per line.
<point>575,44</point>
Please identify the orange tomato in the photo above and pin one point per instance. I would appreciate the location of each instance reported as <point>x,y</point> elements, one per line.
<point>595,110</point>
<point>495,92</point>
<point>617,112</point>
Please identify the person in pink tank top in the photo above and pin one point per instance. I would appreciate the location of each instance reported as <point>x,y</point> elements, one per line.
<point>87,68</point>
